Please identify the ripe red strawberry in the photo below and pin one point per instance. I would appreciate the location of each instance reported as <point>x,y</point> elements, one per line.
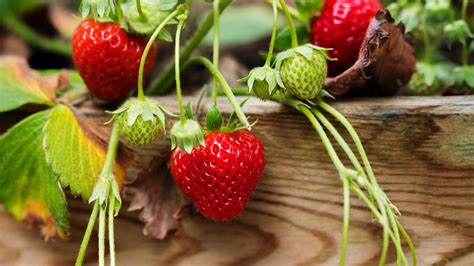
<point>220,177</point>
<point>108,59</point>
<point>342,26</point>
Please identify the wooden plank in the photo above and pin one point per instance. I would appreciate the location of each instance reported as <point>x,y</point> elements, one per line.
<point>422,150</point>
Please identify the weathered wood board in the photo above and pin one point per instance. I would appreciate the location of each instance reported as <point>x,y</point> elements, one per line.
<point>422,150</point>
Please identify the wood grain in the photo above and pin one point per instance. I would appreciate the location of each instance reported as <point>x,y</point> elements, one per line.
<point>422,150</point>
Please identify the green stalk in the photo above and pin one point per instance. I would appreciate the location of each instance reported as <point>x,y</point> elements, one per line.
<point>294,38</point>
<point>177,72</point>
<point>119,11</point>
<point>26,33</point>
<point>345,223</point>
<point>426,41</point>
<point>111,228</point>
<point>339,117</point>
<point>274,33</point>
<point>141,94</point>
<point>465,52</point>
<point>294,13</point>
<point>225,87</point>
<point>410,243</point>
<point>139,9</point>
<point>101,236</point>
<point>162,84</point>
<point>215,56</point>
<point>87,235</point>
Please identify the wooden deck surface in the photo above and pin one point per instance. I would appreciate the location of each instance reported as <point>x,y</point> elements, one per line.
<point>422,151</point>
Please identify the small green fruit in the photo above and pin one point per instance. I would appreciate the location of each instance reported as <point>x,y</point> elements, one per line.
<point>303,70</point>
<point>140,122</point>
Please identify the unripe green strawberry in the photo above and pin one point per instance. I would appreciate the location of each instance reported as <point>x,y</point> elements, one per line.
<point>140,121</point>
<point>303,70</point>
<point>264,82</point>
<point>419,86</point>
<point>428,79</point>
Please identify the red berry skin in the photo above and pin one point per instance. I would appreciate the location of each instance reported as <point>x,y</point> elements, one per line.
<point>342,26</point>
<point>220,177</point>
<point>108,59</point>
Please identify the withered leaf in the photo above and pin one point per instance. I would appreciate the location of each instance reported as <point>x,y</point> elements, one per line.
<point>386,62</point>
<point>155,193</point>
<point>20,85</point>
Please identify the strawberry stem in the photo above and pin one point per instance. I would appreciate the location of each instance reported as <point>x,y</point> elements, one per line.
<point>225,87</point>
<point>87,234</point>
<point>111,228</point>
<point>106,177</point>
<point>140,11</point>
<point>101,236</point>
<point>162,84</point>
<point>274,32</point>
<point>294,37</point>
<point>141,94</point>
<point>215,57</point>
<point>465,51</point>
<point>119,11</point>
<point>177,71</point>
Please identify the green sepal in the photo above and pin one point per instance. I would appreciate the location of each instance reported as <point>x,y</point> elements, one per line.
<point>267,79</point>
<point>187,136</point>
<point>214,119</point>
<point>306,50</point>
<point>115,192</point>
<point>148,109</point>
<point>231,122</point>
<point>97,8</point>
<point>101,190</point>
<point>154,11</point>
<point>189,111</point>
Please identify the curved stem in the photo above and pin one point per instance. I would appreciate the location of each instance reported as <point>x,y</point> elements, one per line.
<point>409,241</point>
<point>345,223</point>
<point>119,11</point>
<point>26,33</point>
<point>294,38</point>
<point>162,84</point>
<point>102,236</point>
<point>177,72</point>
<point>87,235</point>
<point>225,87</point>
<point>274,32</point>
<point>294,13</point>
<point>111,228</point>
<point>464,9</point>
<point>215,56</point>
<point>150,43</point>
<point>139,9</point>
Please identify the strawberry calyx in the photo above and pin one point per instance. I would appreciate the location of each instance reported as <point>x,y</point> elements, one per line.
<point>186,136</point>
<point>97,9</point>
<point>263,82</point>
<point>305,50</point>
<point>150,15</point>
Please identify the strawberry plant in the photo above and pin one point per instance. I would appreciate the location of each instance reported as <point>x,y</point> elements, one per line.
<point>219,165</point>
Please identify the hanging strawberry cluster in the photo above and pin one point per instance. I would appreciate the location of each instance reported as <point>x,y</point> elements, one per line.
<point>218,167</point>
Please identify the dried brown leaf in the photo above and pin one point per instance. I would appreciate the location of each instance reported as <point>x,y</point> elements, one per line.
<point>386,62</point>
<point>158,198</point>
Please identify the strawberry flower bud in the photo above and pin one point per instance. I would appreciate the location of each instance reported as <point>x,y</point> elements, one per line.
<point>263,82</point>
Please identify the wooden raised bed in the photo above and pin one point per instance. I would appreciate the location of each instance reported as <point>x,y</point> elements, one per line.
<point>422,150</point>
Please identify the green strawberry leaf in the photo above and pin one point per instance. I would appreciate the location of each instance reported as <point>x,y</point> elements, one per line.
<point>30,192</point>
<point>76,149</point>
<point>468,72</point>
<point>457,31</point>
<point>234,30</point>
<point>409,14</point>
<point>19,85</point>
